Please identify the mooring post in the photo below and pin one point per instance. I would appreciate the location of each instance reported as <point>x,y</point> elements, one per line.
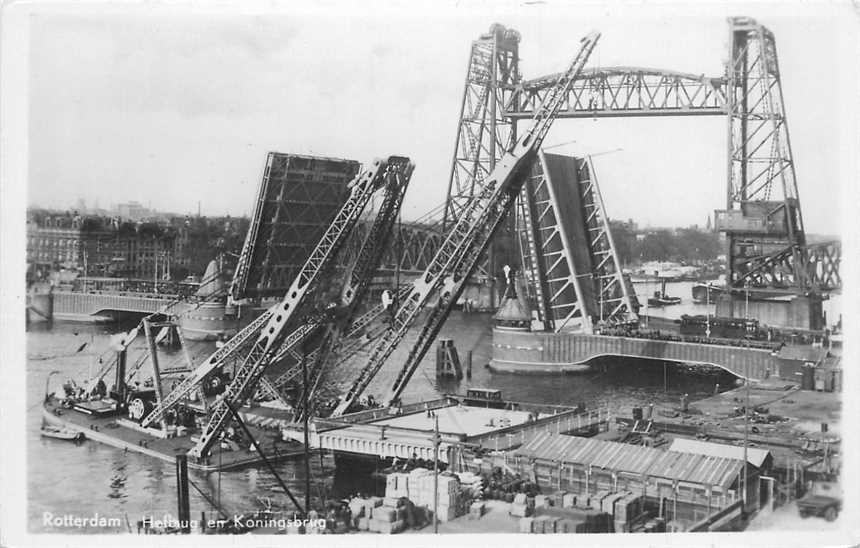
<point>184,507</point>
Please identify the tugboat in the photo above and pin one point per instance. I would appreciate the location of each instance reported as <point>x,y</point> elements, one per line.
<point>660,297</point>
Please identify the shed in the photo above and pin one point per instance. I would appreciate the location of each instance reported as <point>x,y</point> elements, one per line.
<point>760,458</point>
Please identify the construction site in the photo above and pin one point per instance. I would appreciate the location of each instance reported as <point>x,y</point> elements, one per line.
<point>332,288</point>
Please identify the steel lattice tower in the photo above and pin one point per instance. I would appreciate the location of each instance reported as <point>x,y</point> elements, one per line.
<point>483,133</point>
<point>763,222</point>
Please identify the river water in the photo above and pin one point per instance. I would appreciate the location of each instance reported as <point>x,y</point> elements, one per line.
<point>95,479</point>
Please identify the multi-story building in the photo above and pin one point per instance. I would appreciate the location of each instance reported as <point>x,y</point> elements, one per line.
<point>103,246</point>
<point>98,246</point>
<point>133,211</point>
<point>56,244</point>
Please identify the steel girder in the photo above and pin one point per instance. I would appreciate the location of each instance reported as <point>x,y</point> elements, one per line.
<point>823,260</point>
<point>572,262</point>
<point>297,198</point>
<point>296,301</point>
<point>626,91</point>
<point>458,256</point>
<point>483,132</point>
<point>411,249</point>
<point>764,225</point>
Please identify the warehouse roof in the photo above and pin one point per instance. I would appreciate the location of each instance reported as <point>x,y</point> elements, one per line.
<point>635,459</point>
<point>755,456</point>
<point>590,451</point>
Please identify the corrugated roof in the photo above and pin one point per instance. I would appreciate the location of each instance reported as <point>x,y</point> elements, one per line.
<point>755,456</point>
<point>695,468</point>
<point>621,457</point>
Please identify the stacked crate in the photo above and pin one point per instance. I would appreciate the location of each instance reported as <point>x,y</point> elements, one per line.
<point>626,510</point>
<point>418,487</point>
<point>520,507</point>
<point>597,499</point>
<point>568,500</point>
<point>384,519</point>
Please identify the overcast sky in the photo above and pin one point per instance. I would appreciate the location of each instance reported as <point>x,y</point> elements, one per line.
<point>168,108</point>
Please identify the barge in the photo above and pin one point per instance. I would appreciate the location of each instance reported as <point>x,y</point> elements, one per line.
<point>99,421</point>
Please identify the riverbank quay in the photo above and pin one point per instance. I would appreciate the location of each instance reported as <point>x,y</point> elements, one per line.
<point>781,417</point>
<point>799,428</point>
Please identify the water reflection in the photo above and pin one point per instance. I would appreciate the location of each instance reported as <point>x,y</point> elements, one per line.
<point>118,479</point>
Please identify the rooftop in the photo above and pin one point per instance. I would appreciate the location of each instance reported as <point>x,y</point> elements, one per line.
<point>755,456</point>
<point>459,420</point>
<point>635,459</point>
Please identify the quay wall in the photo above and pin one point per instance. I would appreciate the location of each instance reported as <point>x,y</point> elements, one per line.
<point>533,352</point>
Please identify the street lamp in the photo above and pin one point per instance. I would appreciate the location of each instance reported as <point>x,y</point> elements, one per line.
<point>708,310</point>
<point>747,395</point>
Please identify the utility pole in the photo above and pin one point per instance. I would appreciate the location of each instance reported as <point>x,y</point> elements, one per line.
<point>746,403</point>
<point>708,310</point>
<point>85,270</point>
<point>305,424</point>
<point>436,474</point>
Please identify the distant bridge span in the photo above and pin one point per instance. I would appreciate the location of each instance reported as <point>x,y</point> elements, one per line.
<point>524,352</point>
<point>75,305</point>
<point>625,91</point>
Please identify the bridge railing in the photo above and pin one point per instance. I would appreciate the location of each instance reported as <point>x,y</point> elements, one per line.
<point>164,288</point>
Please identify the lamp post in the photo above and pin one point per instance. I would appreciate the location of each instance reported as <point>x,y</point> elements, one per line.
<point>747,398</point>
<point>436,474</point>
<point>708,310</point>
<point>305,414</point>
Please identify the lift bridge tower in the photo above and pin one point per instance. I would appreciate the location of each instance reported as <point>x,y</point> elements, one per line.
<point>574,282</point>
<point>767,252</point>
<point>483,132</point>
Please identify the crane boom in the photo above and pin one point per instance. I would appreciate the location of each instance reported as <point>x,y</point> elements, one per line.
<point>190,383</point>
<point>453,262</point>
<point>361,272</point>
<point>289,310</point>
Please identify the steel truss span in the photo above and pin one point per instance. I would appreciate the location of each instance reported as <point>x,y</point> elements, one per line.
<point>626,91</point>
<point>563,215</point>
<point>464,243</point>
<point>297,199</point>
<point>763,217</point>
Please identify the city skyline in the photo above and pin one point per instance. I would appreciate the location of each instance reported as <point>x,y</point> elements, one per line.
<point>184,108</point>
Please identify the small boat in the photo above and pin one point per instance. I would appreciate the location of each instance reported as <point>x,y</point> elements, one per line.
<point>660,297</point>
<point>663,300</point>
<point>60,433</point>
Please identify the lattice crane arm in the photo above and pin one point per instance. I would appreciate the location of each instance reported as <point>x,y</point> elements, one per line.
<point>452,262</point>
<point>361,271</point>
<point>190,383</point>
<point>273,332</point>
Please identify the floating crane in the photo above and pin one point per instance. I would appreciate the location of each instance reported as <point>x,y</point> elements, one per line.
<point>458,255</point>
<point>294,319</point>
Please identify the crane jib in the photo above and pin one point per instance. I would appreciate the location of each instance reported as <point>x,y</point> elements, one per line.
<point>469,233</point>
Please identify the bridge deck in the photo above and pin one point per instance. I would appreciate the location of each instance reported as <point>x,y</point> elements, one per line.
<point>408,432</point>
<point>528,352</point>
<point>70,304</point>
